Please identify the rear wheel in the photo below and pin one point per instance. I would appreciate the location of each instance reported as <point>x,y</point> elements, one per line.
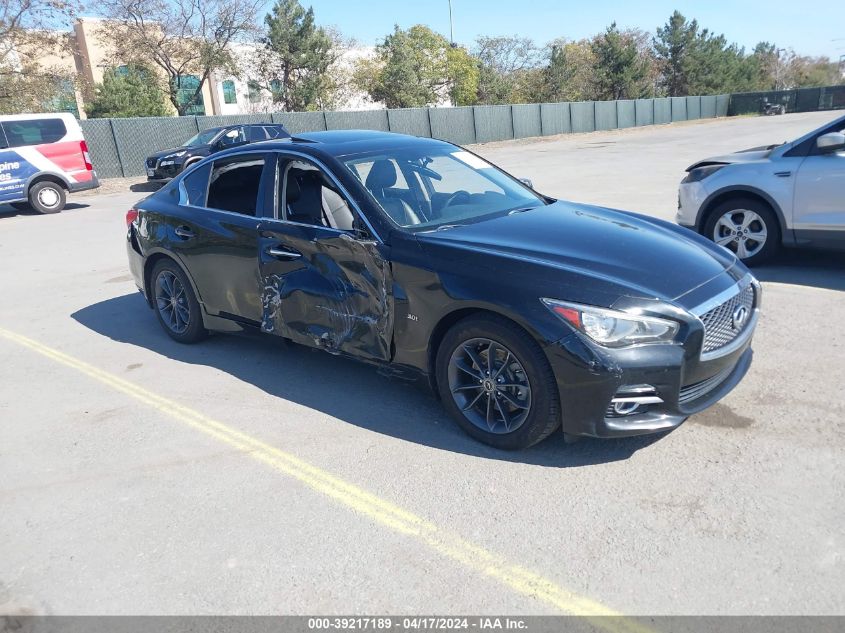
<point>176,306</point>
<point>496,383</point>
<point>47,197</point>
<point>746,227</point>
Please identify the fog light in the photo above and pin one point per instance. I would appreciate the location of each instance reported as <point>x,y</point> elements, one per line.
<point>629,398</point>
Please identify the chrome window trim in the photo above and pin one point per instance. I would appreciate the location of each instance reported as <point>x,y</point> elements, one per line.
<point>341,188</point>
<point>719,299</point>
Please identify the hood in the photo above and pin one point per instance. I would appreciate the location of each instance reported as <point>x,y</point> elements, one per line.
<point>649,258</point>
<point>197,150</point>
<point>743,156</point>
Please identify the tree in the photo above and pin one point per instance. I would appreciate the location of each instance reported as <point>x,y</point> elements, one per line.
<point>134,92</point>
<point>673,48</point>
<point>297,55</point>
<point>508,69</point>
<point>27,83</point>
<point>620,70</point>
<point>418,67</point>
<point>568,75</point>
<point>185,40</point>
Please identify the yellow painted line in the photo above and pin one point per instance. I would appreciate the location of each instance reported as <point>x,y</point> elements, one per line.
<point>383,512</point>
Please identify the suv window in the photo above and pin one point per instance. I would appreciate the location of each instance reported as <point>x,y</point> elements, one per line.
<point>235,183</point>
<point>265,133</point>
<point>34,131</point>
<point>311,197</point>
<point>232,137</point>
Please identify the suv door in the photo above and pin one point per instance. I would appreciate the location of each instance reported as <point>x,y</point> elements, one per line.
<point>819,198</point>
<point>215,232</point>
<point>325,278</point>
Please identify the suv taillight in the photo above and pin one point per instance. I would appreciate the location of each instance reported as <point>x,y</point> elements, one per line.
<point>86,156</point>
<point>131,216</point>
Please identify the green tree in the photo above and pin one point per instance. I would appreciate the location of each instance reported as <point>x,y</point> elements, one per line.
<point>128,92</point>
<point>418,67</point>
<point>297,56</point>
<point>673,47</point>
<point>620,71</point>
<point>568,76</point>
<point>509,69</point>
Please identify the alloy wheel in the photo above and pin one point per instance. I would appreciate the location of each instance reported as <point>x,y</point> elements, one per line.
<point>172,302</point>
<point>741,231</point>
<point>489,385</point>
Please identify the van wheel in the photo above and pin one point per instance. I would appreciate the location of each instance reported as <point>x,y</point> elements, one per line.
<point>47,197</point>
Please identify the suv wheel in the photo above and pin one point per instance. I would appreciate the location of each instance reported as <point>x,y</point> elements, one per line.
<point>746,227</point>
<point>47,197</point>
<point>496,383</point>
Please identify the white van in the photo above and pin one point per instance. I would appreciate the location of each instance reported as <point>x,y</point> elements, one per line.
<point>42,158</point>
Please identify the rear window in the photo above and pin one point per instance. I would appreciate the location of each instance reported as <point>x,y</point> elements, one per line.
<point>34,131</point>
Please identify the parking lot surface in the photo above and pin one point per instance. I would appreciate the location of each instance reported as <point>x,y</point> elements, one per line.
<point>245,476</point>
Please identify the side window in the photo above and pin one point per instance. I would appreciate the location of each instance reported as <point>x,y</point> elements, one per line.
<point>276,131</point>
<point>235,183</point>
<point>34,131</point>
<point>235,136</point>
<point>257,133</point>
<point>195,186</point>
<point>311,197</point>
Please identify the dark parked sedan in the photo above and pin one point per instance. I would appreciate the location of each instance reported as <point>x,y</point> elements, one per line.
<point>169,163</point>
<point>524,313</point>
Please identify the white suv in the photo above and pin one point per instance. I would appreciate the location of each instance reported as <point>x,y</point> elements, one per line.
<point>754,201</point>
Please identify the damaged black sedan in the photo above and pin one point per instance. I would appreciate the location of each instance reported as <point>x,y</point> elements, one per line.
<point>526,314</point>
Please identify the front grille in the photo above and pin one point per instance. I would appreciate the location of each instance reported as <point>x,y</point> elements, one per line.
<point>700,389</point>
<point>151,163</point>
<point>719,326</point>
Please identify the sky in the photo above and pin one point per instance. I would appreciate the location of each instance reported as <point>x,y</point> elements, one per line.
<point>810,27</point>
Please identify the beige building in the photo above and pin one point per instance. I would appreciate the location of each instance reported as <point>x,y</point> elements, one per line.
<point>85,53</point>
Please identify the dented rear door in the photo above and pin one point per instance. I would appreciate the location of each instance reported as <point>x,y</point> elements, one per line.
<point>326,288</point>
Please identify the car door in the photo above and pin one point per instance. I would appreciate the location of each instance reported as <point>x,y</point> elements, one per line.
<point>14,171</point>
<point>325,277</point>
<point>819,198</point>
<point>215,233</point>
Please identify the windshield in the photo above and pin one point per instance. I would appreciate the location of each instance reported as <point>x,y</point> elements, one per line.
<point>203,138</point>
<point>426,188</point>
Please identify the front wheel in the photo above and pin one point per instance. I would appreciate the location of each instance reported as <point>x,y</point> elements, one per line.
<point>746,227</point>
<point>496,383</point>
<point>176,306</point>
<point>47,197</point>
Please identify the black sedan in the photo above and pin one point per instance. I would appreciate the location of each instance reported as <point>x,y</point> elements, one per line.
<point>524,313</point>
<point>169,163</point>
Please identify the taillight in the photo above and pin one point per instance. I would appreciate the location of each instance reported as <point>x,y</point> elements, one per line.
<point>131,216</point>
<point>86,156</point>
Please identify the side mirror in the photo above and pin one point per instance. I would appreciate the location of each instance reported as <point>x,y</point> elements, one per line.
<point>832,142</point>
<point>527,182</point>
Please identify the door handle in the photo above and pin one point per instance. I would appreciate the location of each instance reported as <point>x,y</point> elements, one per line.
<point>281,253</point>
<point>184,232</point>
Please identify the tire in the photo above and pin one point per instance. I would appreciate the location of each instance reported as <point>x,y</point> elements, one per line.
<point>175,303</point>
<point>755,216</point>
<point>47,197</point>
<point>522,376</point>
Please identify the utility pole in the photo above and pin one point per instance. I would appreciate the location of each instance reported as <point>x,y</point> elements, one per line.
<point>451,29</point>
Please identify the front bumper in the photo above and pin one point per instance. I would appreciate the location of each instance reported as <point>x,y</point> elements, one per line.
<point>589,377</point>
<point>691,197</point>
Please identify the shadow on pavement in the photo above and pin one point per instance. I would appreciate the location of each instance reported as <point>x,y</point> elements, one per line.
<point>8,211</point>
<point>150,186</point>
<point>340,387</point>
<point>820,269</point>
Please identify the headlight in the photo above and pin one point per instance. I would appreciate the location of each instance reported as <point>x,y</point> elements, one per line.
<point>166,163</point>
<point>177,154</point>
<point>611,328</point>
<point>700,173</point>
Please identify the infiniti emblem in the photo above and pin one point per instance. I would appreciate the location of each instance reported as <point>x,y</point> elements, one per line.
<point>739,317</point>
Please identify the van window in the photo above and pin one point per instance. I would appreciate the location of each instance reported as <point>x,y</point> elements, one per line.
<point>34,131</point>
